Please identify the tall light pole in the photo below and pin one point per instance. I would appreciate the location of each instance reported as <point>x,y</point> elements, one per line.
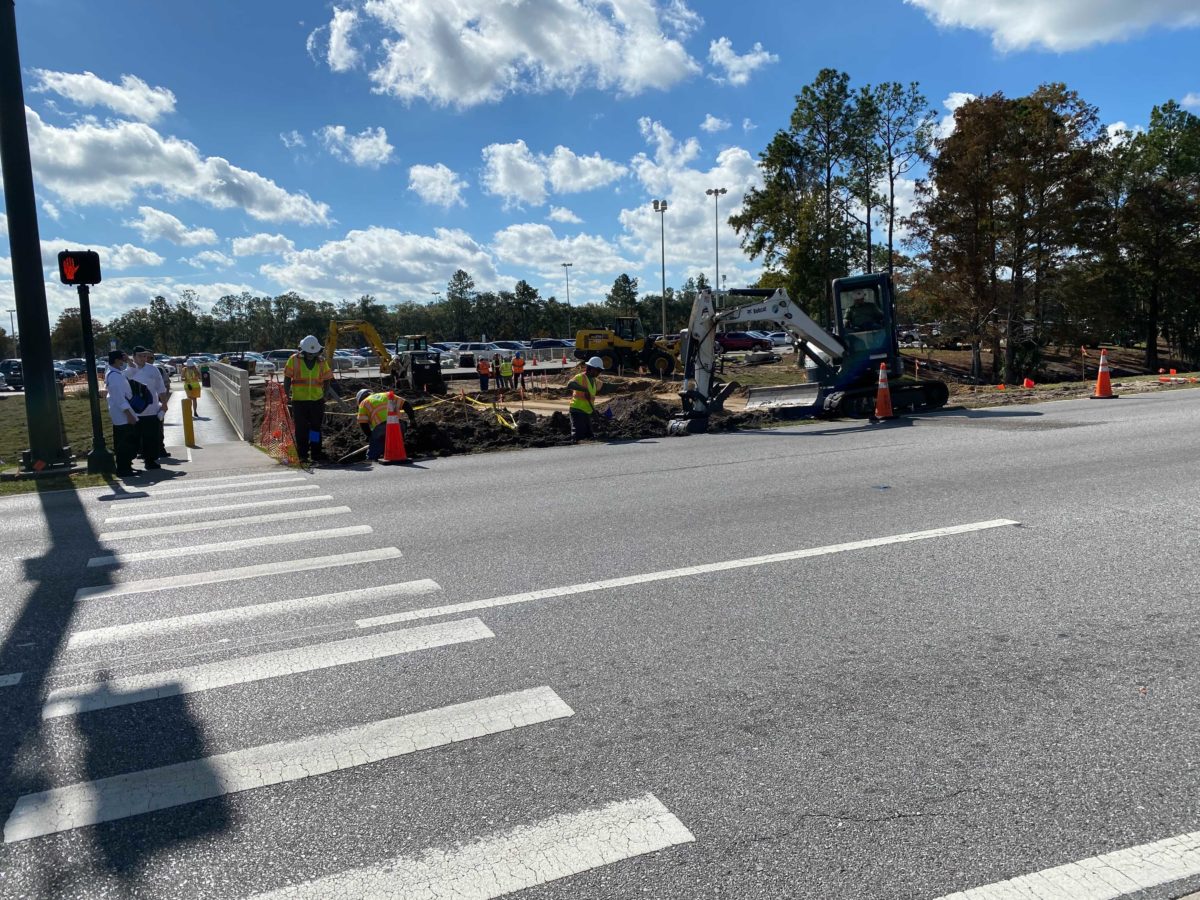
<point>12,332</point>
<point>567,272</point>
<point>716,193</point>
<point>660,207</point>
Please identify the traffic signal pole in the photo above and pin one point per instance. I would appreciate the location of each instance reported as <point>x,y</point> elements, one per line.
<point>37,363</point>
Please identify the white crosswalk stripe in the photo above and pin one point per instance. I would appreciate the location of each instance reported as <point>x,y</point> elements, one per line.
<point>176,502</point>
<point>294,515</point>
<point>205,509</point>
<point>511,860</point>
<point>242,614</point>
<point>140,688</point>
<point>120,796</point>
<point>122,557</point>
<point>273,480</point>
<point>260,570</point>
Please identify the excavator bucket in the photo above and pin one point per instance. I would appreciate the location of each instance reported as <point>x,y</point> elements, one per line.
<point>790,396</point>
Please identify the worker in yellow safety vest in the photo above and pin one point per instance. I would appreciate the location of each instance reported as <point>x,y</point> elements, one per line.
<point>372,419</point>
<point>306,376</point>
<point>506,374</point>
<point>584,387</point>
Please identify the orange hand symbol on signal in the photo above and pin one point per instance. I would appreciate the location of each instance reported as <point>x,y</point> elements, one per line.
<point>70,268</point>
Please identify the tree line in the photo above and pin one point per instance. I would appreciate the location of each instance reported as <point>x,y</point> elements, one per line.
<point>1032,225</point>
<point>181,326</point>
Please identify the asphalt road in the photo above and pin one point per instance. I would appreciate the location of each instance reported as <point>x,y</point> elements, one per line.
<point>905,719</point>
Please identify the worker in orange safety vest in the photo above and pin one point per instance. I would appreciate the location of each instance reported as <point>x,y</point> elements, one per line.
<point>484,367</point>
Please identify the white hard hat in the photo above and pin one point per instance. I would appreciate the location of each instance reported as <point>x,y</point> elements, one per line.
<point>310,344</point>
<point>595,363</point>
<point>362,395</point>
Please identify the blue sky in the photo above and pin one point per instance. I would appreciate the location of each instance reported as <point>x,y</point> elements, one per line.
<point>375,146</point>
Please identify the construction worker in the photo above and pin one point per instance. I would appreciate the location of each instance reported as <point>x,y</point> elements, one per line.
<point>584,387</point>
<point>506,373</point>
<point>484,368</point>
<point>372,419</point>
<point>518,367</point>
<point>306,375</point>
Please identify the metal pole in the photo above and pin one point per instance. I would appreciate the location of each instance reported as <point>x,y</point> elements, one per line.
<point>567,271</point>
<point>661,209</point>
<point>43,417</point>
<point>99,459</point>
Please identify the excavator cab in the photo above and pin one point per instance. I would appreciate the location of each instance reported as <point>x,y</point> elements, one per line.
<point>866,317</point>
<point>628,328</point>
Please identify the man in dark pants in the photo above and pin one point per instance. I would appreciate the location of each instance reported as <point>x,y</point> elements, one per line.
<point>305,377</point>
<point>150,427</point>
<point>584,387</point>
<point>124,419</point>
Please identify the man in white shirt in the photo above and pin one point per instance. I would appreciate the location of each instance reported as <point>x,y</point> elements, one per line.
<point>124,419</point>
<point>150,426</point>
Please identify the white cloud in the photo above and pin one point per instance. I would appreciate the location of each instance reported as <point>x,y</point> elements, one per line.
<point>213,258</point>
<point>333,41</point>
<point>737,69</point>
<point>669,171</point>
<point>562,214</point>
<point>1060,25</point>
<point>390,264</point>
<point>369,148</point>
<point>111,163</point>
<point>438,185</point>
<point>513,172</point>
<point>946,127</point>
<point>262,245</point>
<point>156,225</point>
<point>534,247</point>
<point>573,174</point>
<point>51,210</point>
<point>292,139</point>
<point>748,126</point>
<point>132,97</point>
<point>1192,100</point>
<point>1120,132</point>
<point>476,51</point>
<point>712,124</point>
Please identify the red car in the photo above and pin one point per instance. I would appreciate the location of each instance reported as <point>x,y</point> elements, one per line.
<point>740,340</point>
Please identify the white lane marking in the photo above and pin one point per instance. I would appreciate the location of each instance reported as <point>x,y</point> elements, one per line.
<point>175,502</point>
<point>10,680</point>
<point>279,567</point>
<point>72,806</point>
<point>512,860</point>
<point>609,583</point>
<point>222,479</point>
<point>1103,877</point>
<point>177,528</point>
<point>79,698</point>
<point>263,540</point>
<point>205,509</point>
<point>272,480</point>
<point>112,633</point>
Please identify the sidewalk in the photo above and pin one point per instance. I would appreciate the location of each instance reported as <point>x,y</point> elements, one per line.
<point>217,450</point>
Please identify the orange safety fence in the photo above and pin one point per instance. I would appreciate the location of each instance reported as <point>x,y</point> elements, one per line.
<point>277,434</point>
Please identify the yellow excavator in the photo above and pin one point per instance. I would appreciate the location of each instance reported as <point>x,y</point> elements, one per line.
<point>413,365</point>
<point>624,344</point>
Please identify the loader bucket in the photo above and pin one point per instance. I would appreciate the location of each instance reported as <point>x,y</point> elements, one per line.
<point>790,396</point>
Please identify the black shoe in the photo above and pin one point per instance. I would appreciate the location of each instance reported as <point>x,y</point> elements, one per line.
<point>126,473</point>
<point>153,465</point>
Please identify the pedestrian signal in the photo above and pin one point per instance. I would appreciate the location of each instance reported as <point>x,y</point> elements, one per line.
<point>79,267</point>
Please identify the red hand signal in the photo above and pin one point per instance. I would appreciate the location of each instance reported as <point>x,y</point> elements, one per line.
<point>69,268</point>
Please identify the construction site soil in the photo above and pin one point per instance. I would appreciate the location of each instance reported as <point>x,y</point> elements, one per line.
<point>629,409</point>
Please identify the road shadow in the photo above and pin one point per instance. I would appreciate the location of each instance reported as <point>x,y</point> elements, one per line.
<point>132,738</point>
<point>39,622</point>
<point>889,425</point>
<point>961,412</point>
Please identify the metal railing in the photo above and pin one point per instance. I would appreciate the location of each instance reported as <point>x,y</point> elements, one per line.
<point>230,387</point>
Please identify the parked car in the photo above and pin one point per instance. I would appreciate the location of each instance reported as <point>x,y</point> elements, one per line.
<point>781,339</point>
<point>279,357</point>
<point>469,353</point>
<point>76,365</point>
<point>741,340</point>
<point>11,370</point>
<point>262,365</point>
<point>515,346</point>
<point>356,361</point>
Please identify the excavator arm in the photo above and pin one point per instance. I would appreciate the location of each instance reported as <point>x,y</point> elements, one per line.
<point>702,391</point>
<point>338,327</point>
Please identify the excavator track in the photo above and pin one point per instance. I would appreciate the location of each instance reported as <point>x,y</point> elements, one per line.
<point>907,397</point>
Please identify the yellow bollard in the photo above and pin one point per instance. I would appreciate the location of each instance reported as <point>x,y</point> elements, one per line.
<point>189,433</point>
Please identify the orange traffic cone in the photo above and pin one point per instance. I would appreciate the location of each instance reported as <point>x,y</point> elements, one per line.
<point>1028,383</point>
<point>883,396</point>
<point>1104,389</point>
<point>393,437</point>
